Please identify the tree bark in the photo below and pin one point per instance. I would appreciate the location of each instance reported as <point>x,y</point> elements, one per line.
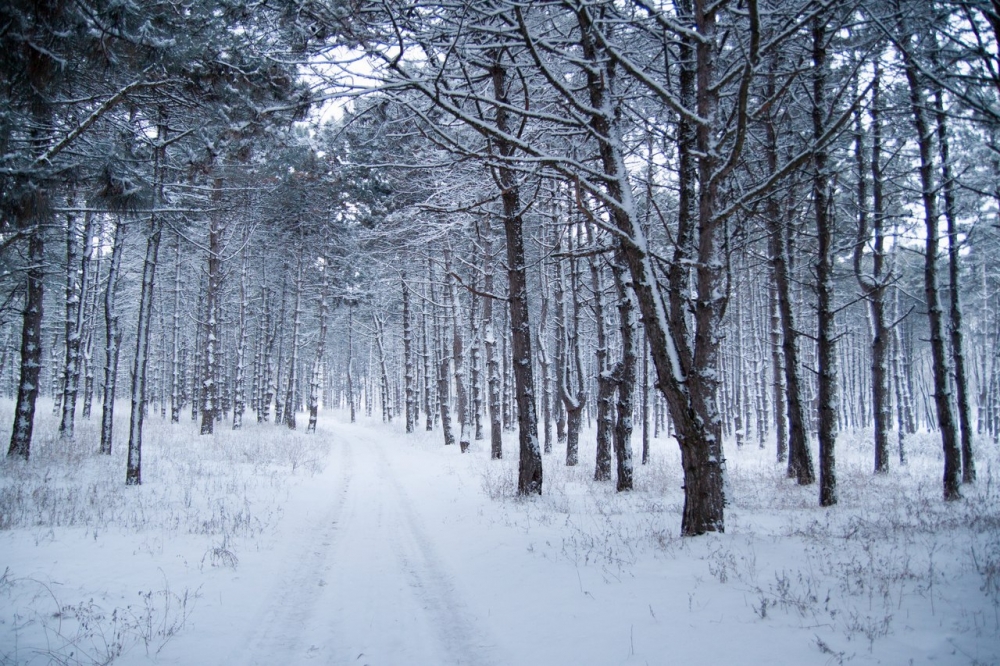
<point>133,472</point>
<point>409,369</point>
<point>942,397</point>
<point>291,404</point>
<point>529,479</point>
<point>31,346</point>
<point>826,333</point>
<point>955,300</point>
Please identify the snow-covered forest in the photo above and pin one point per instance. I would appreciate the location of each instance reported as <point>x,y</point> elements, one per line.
<point>500,332</point>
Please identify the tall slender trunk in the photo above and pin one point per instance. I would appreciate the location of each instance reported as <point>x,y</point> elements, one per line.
<point>175,358</point>
<point>409,365</point>
<point>113,340</point>
<point>144,320</point>
<point>475,373</point>
<point>350,359</point>
<point>800,463</point>
<point>31,347</point>
<point>90,326</point>
<point>443,365</point>
<point>458,355</point>
<point>942,397</point>
<point>544,362</point>
<point>955,301</point>
<point>77,281</point>
<point>210,359</point>
<point>242,333</point>
<point>490,342</point>
<point>317,369</point>
<point>561,361</point>
<point>778,377</point>
<point>873,285</point>
<point>291,404</point>
<point>645,401</point>
<point>826,325</point>
<point>428,362</point>
<point>625,372</point>
<point>573,403</point>
<point>529,480</point>
<point>133,472</point>
<point>606,380</point>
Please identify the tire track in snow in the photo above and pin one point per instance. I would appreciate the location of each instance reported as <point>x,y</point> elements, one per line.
<point>464,643</point>
<point>276,634</point>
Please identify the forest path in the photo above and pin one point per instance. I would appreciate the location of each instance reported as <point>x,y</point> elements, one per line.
<point>363,583</point>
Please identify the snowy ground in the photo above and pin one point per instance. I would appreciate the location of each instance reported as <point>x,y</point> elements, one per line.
<point>362,545</point>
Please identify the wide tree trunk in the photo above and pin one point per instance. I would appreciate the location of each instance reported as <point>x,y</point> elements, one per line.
<point>31,346</point>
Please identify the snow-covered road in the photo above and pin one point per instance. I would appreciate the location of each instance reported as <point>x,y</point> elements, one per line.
<point>363,583</point>
<point>364,545</point>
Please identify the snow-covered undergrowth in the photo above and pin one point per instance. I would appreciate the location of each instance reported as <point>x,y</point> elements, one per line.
<point>281,547</point>
<point>203,501</point>
<point>890,565</point>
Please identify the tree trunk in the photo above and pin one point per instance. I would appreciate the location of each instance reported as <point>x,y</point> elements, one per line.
<point>606,379</point>
<point>458,355</point>
<point>210,359</point>
<point>291,403</point>
<point>826,325</point>
<point>31,347</point>
<point>175,360</point>
<point>316,377</point>
<point>77,278</point>
<point>443,367</point>
<point>873,286</point>
<point>409,372</point>
<point>942,397</point>
<point>573,403</point>
<point>239,381</point>
<point>350,359</point>
<point>113,340</point>
<point>529,479</point>
<point>955,307</point>
<point>800,463</point>
<point>625,373</point>
<point>90,325</point>
<point>428,365</point>
<point>544,362</point>
<point>133,472</point>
